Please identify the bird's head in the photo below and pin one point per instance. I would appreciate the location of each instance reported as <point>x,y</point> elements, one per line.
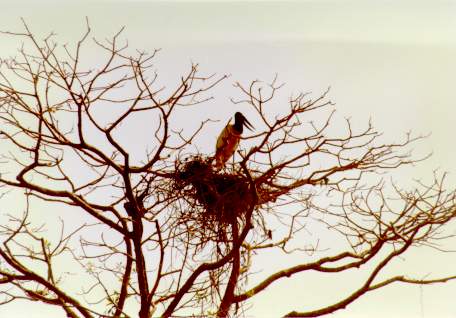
<point>240,121</point>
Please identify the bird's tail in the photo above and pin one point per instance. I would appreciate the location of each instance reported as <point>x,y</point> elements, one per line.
<point>217,162</point>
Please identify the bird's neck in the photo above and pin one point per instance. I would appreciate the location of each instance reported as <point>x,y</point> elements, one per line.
<point>238,127</point>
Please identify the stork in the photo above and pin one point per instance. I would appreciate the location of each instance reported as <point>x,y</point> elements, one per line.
<point>229,138</point>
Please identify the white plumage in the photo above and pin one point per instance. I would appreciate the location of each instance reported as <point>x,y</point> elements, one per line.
<point>228,140</point>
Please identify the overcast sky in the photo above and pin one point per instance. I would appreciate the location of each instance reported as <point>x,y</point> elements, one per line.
<point>392,61</point>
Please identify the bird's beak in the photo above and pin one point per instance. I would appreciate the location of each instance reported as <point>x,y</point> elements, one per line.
<point>248,124</point>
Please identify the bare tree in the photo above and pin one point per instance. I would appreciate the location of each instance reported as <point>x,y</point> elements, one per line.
<point>161,232</point>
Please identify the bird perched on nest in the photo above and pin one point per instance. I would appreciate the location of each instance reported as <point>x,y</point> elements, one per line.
<point>228,140</point>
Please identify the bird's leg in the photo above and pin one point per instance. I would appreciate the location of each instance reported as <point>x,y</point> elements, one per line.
<point>232,167</point>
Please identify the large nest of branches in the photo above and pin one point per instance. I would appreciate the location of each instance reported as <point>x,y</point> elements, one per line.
<point>216,200</point>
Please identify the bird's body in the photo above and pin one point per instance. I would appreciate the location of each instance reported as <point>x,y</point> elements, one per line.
<point>227,143</point>
<point>228,140</point>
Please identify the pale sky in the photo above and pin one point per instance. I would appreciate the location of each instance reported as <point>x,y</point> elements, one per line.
<point>392,61</point>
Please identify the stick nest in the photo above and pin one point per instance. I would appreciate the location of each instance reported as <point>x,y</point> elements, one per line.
<point>215,199</point>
